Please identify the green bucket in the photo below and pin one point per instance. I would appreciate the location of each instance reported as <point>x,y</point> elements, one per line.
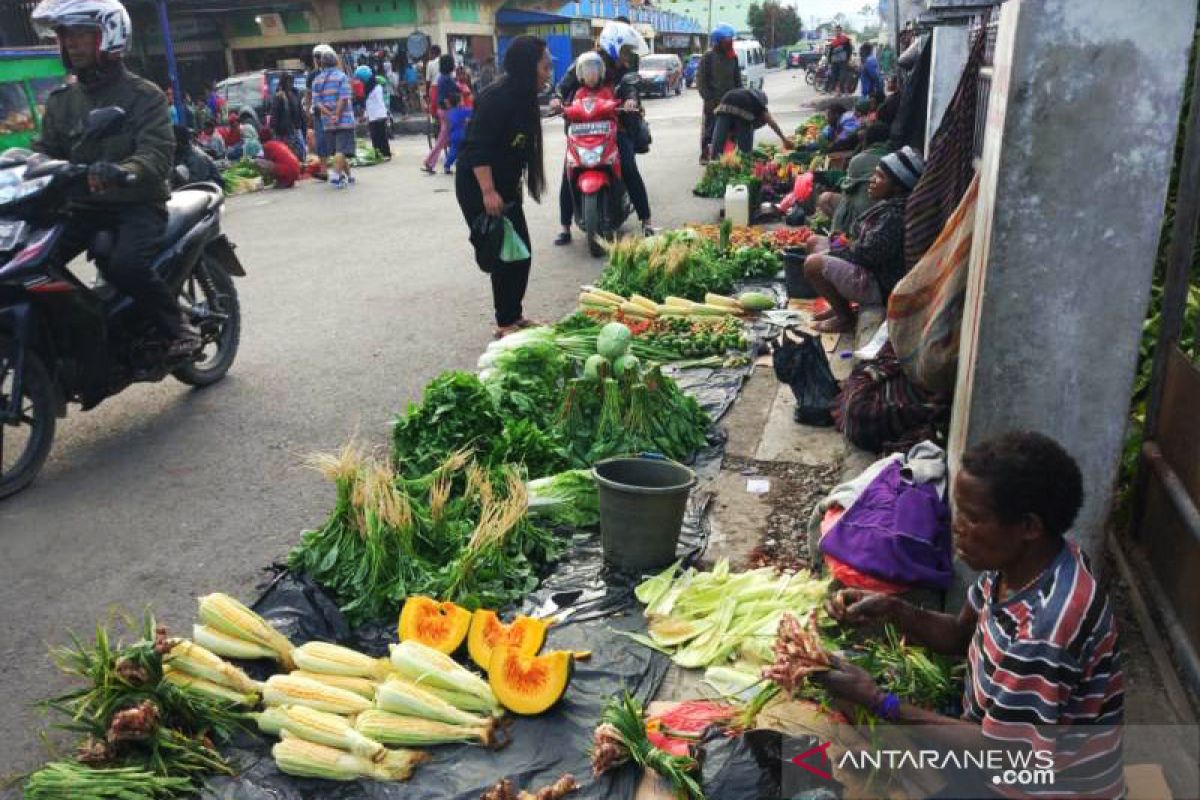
<point>642,501</point>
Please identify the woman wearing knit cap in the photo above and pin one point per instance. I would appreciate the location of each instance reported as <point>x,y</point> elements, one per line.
<point>866,271</point>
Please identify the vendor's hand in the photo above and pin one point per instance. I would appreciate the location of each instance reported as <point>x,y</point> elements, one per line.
<point>493,203</point>
<point>556,105</point>
<point>846,681</point>
<point>788,144</point>
<point>860,607</point>
<point>104,175</point>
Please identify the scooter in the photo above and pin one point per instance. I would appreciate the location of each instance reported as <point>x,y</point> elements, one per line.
<point>600,199</point>
<point>63,340</point>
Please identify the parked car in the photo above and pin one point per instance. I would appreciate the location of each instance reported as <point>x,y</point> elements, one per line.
<point>753,62</point>
<point>690,69</point>
<point>803,59</point>
<point>661,75</point>
<point>254,89</point>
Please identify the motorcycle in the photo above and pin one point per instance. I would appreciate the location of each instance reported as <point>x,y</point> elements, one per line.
<point>599,196</point>
<point>64,341</point>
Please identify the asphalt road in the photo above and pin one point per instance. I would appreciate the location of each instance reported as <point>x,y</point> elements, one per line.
<point>353,301</point>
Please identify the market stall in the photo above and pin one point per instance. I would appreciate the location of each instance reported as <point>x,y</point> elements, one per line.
<point>455,621</point>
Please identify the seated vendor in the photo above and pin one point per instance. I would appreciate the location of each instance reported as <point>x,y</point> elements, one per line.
<point>841,128</point>
<point>739,114</point>
<point>845,207</point>
<point>279,160</point>
<point>867,270</point>
<point>1036,630</point>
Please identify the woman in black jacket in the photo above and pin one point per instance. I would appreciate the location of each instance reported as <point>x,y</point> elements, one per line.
<point>504,145</point>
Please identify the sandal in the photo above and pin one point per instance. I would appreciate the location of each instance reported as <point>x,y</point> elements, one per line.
<point>505,330</point>
<point>524,323</point>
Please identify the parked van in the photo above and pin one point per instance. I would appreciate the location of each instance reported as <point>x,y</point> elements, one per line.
<point>753,61</point>
<point>255,89</point>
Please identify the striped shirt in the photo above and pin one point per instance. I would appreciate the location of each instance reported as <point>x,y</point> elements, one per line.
<point>1048,656</point>
<point>329,86</point>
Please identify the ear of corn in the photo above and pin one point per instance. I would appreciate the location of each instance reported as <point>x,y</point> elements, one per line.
<point>289,690</point>
<point>427,667</point>
<point>332,659</point>
<point>214,691</point>
<point>271,719</point>
<point>360,686</point>
<point>466,702</point>
<point>227,615</point>
<point>304,759</point>
<point>408,699</point>
<point>394,729</point>
<point>329,729</point>
<point>193,659</point>
<point>223,644</point>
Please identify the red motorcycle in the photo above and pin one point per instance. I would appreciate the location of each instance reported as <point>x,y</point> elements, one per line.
<point>594,166</point>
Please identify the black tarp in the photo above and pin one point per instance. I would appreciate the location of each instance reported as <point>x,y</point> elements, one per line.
<point>594,607</point>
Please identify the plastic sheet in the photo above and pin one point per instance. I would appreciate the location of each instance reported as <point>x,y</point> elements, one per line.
<point>542,748</point>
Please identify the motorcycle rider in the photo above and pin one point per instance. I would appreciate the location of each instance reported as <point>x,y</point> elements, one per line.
<point>717,74</point>
<point>618,45</point>
<point>127,177</point>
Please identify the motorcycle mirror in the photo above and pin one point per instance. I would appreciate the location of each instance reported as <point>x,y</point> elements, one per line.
<point>101,122</point>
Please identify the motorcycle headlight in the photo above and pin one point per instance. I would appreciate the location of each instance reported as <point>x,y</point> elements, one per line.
<point>590,156</point>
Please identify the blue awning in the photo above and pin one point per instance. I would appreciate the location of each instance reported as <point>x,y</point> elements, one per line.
<point>519,16</point>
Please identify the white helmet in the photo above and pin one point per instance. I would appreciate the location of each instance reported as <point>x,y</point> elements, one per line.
<point>109,17</point>
<point>589,69</point>
<point>324,55</point>
<point>616,37</point>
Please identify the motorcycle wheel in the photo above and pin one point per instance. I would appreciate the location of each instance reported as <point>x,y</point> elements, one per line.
<point>25,444</point>
<point>209,287</point>
<point>593,224</point>
<point>810,77</point>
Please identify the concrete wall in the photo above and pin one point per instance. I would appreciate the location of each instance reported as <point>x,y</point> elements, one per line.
<point>1081,133</point>
<point>951,46</point>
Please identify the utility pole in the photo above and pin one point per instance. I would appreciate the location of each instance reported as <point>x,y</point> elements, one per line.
<point>169,54</point>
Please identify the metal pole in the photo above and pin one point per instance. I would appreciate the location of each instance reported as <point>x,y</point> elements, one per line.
<point>169,53</point>
<point>896,27</point>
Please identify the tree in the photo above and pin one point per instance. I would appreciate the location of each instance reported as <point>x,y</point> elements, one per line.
<point>774,25</point>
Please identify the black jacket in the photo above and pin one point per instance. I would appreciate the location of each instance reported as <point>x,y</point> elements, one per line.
<point>717,75</point>
<point>499,137</point>
<point>145,144</point>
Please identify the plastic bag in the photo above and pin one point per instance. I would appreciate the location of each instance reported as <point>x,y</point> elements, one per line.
<point>800,362</point>
<point>513,248</point>
<point>487,237</point>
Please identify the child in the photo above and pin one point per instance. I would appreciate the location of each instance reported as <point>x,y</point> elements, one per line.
<point>457,118</point>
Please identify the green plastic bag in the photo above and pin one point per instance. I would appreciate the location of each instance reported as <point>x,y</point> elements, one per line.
<point>513,249</point>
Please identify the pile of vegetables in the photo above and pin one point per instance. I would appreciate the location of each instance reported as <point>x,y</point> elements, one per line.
<point>730,168</point>
<point>678,338</point>
<point>145,734</point>
<point>809,131</point>
<point>365,155</point>
<point>783,238</point>
<point>461,531</point>
<point>712,619</point>
<point>683,264</point>
<point>243,177</point>
<point>622,738</point>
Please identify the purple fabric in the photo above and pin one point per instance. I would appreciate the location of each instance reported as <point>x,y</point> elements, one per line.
<point>896,530</point>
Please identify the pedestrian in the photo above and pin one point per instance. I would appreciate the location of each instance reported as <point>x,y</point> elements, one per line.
<point>446,96</point>
<point>1041,641</point>
<point>287,120</point>
<point>412,89</point>
<point>333,101</point>
<point>840,49</point>
<point>457,118</point>
<point>462,78</point>
<point>870,81</point>
<point>433,67</point>
<point>487,73</point>
<point>717,74</point>
<point>377,120</point>
<point>278,160</point>
<point>739,114</point>
<point>867,270</point>
<point>502,147</point>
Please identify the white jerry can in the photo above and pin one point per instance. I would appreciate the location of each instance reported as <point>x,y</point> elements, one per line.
<point>737,204</point>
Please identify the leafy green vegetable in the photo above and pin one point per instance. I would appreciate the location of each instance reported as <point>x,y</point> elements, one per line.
<point>456,412</point>
<point>568,498</point>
